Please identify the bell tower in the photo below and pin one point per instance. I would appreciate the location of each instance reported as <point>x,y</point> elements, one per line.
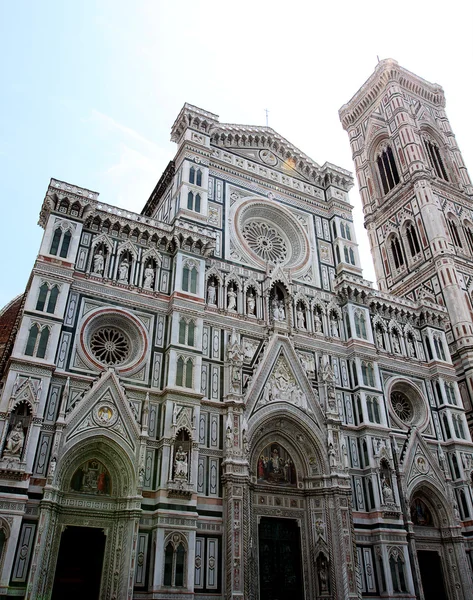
<point>417,200</point>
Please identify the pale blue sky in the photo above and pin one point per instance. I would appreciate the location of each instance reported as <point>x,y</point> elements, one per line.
<point>90,89</point>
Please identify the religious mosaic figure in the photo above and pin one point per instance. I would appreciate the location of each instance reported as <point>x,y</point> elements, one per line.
<point>212,293</point>
<point>231,295</point>
<point>276,466</point>
<point>180,464</point>
<point>15,441</point>
<point>123,270</point>
<point>91,478</point>
<point>420,514</point>
<point>98,263</point>
<point>149,278</point>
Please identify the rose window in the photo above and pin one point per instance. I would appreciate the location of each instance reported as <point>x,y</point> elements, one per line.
<point>402,406</point>
<point>110,346</point>
<point>265,241</point>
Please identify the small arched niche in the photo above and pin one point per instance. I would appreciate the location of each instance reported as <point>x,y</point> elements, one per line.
<point>92,477</point>
<point>276,467</point>
<point>421,514</point>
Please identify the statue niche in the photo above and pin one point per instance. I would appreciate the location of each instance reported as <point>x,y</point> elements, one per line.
<point>92,477</point>
<point>182,447</point>
<point>275,466</point>
<point>15,441</point>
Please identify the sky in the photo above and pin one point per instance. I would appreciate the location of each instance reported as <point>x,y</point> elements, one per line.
<point>90,89</point>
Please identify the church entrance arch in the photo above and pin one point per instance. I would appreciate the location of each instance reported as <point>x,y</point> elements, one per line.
<point>430,520</point>
<point>88,516</point>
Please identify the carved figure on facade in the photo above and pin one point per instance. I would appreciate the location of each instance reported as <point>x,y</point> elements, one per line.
<point>123,270</point>
<point>99,263</point>
<point>231,299</point>
<point>212,293</point>
<point>180,464</point>
<point>250,303</point>
<point>15,442</point>
<point>334,325</point>
<point>276,466</point>
<point>149,278</point>
<point>300,319</point>
<point>317,322</point>
<point>282,387</point>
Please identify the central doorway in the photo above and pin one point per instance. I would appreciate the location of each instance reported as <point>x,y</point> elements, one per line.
<point>79,564</point>
<point>431,574</point>
<point>280,559</point>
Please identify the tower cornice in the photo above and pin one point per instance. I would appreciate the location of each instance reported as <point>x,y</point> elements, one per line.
<point>388,71</point>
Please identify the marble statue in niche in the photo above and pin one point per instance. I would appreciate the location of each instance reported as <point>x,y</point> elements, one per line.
<point>92,478</point>
<point>15,442</point>
<point>123,270</point>
<point>149,278</point>
<point>275,466</point>
<point>180,464</point>
<point>98,263</point>
<point>231,295</point>
<point>212,293</point>
<point>250,303</point>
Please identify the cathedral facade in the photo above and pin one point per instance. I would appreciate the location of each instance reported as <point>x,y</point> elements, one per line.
<point>207,400</point>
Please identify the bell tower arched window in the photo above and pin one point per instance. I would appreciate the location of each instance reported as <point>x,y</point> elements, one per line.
<point>174,565</point>
<point>435,159</point>
<point>454,232</point>
<point>396,250</point>
<point>387,169</point>
<point>412,239</point>
<point>47,298</point>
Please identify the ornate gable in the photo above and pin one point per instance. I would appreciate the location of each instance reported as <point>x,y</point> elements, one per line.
<point>280,379</point>
<point>104,410</point>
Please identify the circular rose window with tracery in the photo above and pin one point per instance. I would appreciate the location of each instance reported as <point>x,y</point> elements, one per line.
<point>265,232</point>
<point>265,241</point>
<point>112,337</point>
<point>402,406</point>
<point>110,346</point>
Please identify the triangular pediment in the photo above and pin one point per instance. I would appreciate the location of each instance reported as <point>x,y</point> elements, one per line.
<point>265,146</point>
<point>281,380</point>
<point>419,464</point>
<point>104,410</point>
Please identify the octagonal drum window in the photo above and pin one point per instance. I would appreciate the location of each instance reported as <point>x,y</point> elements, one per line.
<point>113,338</point>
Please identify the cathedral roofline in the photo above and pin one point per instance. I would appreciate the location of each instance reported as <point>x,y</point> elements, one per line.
<point>386,71</point>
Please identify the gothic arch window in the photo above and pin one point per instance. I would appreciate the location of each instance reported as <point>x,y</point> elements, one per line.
<point>187,332</point>
<point>446,426</point>
<point>387,169</point>
<point>435,158</point>
<point>372,405</point>
<point>4,535</point>
<point>468,231</point>
<point>450,392</point>
<point>184,372</point>
<point>60,242</point>
<point>396,565</point>
<point>360,325</point>
<point>337,252</point>
<point>192,175</point>
<point>175,558</point>
<point>352,256</point>
<point>47,298</point>
<point>193,202</point>
<point>345,253</point>
<point>37,341</point>
<point>439,349</point>
<point>396,252</point>
<point>454,233</point>
<point>412,239</point>
<point>189,278</point>
<point>367,372</point>
<point>464,505</point>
